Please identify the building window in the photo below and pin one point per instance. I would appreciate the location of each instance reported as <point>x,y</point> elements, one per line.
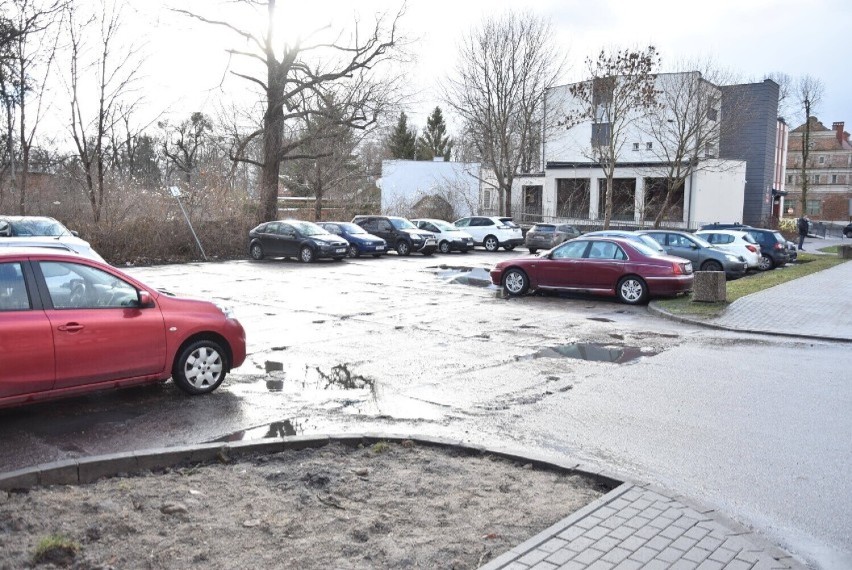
<point>649,146</point>
<point>712,114</point>
<point>822,160</point>
<point>709,150</point>
<point>814,207</point>
<point>600,134</point>
<point>635,146</point>
<point>834,179</point>
<point>789,179</point>
<point>486,198</point>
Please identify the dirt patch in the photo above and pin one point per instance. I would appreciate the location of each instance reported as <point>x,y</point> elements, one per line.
<point>385,506</point>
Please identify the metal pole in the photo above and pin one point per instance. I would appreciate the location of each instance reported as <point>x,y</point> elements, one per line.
<point>176,193</point>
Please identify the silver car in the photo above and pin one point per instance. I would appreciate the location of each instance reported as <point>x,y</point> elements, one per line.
<point>547,236</point>
<point>703,255</point>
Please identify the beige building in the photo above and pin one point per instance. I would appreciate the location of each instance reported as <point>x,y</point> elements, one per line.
<point>828,172</point>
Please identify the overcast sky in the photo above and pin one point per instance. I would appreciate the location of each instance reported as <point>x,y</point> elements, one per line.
<point>186,59</point>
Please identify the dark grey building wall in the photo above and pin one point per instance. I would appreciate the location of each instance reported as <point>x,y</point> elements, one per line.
<point>749,121</point>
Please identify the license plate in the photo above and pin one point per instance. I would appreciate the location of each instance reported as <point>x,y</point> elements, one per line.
<point>340,250</point>
<point>380,247</point>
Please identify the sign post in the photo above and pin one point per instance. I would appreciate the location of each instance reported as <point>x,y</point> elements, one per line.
<point>176,193</point>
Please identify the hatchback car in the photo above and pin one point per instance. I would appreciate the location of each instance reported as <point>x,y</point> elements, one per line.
<point>704,257</point>
<point>774,248</point>
<point>547,236</point>
<point>71,325</point>
<point>603,266</point>
<point>492,232</point>
<point>360,242</point>
<point>449,237</point>
<point>41,231</point>
<point>734,241</point>
<point>847,231</point>
<point>295,238</point>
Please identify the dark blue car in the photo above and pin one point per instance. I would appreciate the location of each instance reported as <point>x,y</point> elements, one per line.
<point>360,242</point>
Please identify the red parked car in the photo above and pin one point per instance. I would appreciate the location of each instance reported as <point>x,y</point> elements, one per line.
<point>606,266</point>
<point>71,325</point>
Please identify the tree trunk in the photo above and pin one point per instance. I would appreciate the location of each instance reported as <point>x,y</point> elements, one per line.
<point>806,151</point>
<point>671,187</point>
<point>273,126</point>
<point>608,204</point>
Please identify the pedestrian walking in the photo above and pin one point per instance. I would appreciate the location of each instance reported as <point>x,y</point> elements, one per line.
<point>803,225</point>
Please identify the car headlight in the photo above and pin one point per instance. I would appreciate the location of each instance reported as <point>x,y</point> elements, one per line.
<point>733,258</point>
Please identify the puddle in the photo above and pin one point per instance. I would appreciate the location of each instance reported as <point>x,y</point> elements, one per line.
<point>473,276</point>
<point>591,351</point>
<point>600,319</point>
<point>275,429</point>
<point>272,366</point>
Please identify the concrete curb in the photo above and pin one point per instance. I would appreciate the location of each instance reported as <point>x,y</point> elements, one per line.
<point>90,469</point>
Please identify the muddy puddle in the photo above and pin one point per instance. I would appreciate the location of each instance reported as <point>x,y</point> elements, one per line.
<point>592,352</point>
<point>473,276</point>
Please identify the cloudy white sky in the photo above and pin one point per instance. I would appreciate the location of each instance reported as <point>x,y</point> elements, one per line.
<point>186,59</point>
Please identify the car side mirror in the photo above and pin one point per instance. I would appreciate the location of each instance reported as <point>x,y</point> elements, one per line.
<point>75,233</point>
<point>5,229</point>
<point>144,299</point>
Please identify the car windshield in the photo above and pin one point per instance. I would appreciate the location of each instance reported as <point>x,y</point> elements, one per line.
<point>779,237</point>
<point>543,228</point>
<point>444,226</point>
<point>402,224</point>
<point>509,222</point>
<point>648,242</point>
<point>701,241</point>
<point>38,227</point>
<point>639,245</point>
<point>351,228</point>
<point>308,228</point>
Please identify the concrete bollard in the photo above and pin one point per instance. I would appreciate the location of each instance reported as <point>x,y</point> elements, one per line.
<point>709,287</point>
<point>845,251</point>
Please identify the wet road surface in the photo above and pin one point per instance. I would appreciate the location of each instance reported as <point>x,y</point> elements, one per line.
<point>755,426</point>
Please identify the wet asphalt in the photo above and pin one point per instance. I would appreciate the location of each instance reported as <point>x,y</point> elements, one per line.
<point>755,426</point>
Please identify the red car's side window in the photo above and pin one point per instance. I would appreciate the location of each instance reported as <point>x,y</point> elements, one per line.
<point>76,286</point>
<point>13,288</point>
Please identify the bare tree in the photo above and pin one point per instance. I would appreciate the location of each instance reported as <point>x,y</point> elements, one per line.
<point>685,126</point>
<point>808,95</point>
<point>333,144</point>
<point>621,91</point>
<point>29,51</point>
<point>504,68</point>
<point>113,71</point>
<point>183,143</point>
<point>296,79</point>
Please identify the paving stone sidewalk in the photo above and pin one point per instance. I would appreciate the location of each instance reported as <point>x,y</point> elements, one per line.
<point>633,527</point>
<point>817,305</point>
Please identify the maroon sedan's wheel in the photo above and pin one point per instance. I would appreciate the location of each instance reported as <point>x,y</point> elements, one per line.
<point>200,367</point>
<point>516,282</point>
<point>632,290</point>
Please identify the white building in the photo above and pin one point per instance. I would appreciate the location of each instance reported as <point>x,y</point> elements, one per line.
<point>405,183</point>
<point>573,186</point>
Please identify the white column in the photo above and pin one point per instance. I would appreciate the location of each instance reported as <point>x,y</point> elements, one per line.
<point>594,197</point>
<point>639,199</point>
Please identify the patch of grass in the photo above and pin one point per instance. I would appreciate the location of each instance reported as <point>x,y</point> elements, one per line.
<point>835,249</point>
<point>807,263</point>
<point>380,447</point>
<point>55,549</point>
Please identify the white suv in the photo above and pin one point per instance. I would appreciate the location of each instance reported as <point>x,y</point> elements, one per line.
<point>736,242</point>
<point>492,232</point>
<point>449,237</point>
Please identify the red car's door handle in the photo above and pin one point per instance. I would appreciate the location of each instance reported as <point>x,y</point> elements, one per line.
<point>70,327</point>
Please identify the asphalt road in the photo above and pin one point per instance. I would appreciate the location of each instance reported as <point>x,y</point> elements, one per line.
<point>757,427</point>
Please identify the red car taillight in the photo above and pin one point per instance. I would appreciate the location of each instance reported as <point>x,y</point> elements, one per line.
<point>677,269</point>
<point>751,248</point>
<point>778,246</point>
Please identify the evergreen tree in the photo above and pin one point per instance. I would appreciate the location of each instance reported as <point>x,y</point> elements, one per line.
<point>434,142</point>
<point>402,141</point>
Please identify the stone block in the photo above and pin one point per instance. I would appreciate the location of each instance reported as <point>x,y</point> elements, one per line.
<point>709,287</point>
<point>845,251</point>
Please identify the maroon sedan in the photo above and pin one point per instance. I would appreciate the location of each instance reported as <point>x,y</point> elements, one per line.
<point>605,266</point>
<point>71,325</point>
